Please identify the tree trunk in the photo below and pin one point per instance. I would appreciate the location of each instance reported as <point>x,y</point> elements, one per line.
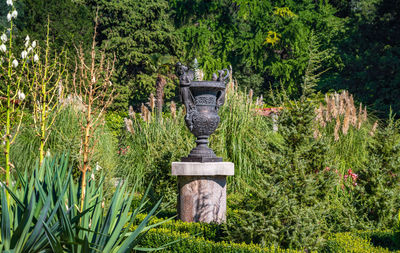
<point>160,84</point>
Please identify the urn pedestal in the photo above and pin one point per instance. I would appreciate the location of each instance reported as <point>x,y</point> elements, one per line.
<point>202,190</point>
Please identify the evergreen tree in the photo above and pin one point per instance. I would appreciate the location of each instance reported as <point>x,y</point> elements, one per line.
<point>71,22</point>
<point>134,31</point>
<point>264,41</point>
<point>370,51</point>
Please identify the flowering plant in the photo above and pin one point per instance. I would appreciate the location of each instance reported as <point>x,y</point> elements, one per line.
<point>13,69</point>
<point>343,178</point>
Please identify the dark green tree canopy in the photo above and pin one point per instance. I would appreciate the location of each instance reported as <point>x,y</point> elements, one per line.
<point>134,31</point>
<point>266,42</point>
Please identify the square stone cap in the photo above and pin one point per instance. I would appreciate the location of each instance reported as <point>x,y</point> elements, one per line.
<point>203,169</point>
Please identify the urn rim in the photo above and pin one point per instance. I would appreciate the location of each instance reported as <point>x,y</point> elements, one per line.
<point>207,84</point>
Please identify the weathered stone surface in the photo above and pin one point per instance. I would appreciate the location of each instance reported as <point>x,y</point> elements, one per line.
<point>202,190</point>
<point>202,169</point>
<point>202,198</point>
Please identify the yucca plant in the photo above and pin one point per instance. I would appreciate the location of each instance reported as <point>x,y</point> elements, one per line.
<point>25,225</point>
<point>44,214</point>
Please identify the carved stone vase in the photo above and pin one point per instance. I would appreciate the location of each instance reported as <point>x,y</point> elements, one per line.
<point>202,100</point>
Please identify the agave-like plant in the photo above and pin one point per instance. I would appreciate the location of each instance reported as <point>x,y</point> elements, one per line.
<point>44,214</point>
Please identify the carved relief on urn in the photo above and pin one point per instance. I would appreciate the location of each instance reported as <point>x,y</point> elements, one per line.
<point>202,100</point>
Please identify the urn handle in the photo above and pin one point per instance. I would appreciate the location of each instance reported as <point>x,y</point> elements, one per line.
<point>222,76</point>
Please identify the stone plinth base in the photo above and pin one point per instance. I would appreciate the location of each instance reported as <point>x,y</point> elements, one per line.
<point>202,190</point>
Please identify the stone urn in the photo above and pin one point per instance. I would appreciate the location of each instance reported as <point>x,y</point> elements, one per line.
<point>202,100</point>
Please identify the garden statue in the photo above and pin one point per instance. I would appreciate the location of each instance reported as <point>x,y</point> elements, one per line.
<point>202,100</point>
<point>202,175</point>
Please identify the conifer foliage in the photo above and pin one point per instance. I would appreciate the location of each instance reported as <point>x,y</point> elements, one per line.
<point>134,31</point>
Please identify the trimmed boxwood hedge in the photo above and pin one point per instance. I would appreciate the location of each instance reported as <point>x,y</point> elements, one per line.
<point>189,243</point>
<point>203,237</point>
<point>211,232</point>
<point>363,241</point>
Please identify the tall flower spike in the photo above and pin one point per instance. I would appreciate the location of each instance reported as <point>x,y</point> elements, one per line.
<point>173,109</point>
<point>346,121</point>
<point>152,102</point>
<point>337,127</point>
<point>131,113</point>
<point>374,127</point>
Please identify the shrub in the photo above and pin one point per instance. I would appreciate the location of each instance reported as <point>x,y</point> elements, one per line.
<point>203,237</point>
<point>188,243</point>
<point>351,242</point>
<point>211,232</point>
<point>385,239</point>
<point>294,203</point>
<point>378,183</point>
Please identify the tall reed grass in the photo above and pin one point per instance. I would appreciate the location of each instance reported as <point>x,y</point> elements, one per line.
<point>347,130</point>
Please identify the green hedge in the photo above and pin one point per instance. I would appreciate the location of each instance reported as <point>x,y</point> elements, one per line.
<point>203,237</point>
<point>188,243</point>
<point>360,242</point>
<point>212,232</point>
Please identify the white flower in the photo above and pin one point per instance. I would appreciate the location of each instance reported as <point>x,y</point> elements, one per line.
<point>30,49</point>
<point>15,63</point>
<point>27,38</point>
<point>4,38</point>
<point>24,54</point>
<point>14,14</point>
<point>9,17</point>
<point>9,2</point>
<point>21,95</point>
<point>34,44</point>
<point>92,177</point>
<point>35,58</point>
<point>3,48</point>
<point>27,41</point>
<point>98,167</point>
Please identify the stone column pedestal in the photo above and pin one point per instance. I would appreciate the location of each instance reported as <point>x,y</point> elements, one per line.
<point>202,190</point>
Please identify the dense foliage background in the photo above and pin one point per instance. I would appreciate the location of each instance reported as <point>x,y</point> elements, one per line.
<point>264,41</point>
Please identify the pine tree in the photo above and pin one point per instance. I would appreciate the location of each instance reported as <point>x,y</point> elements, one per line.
<point>134,31</point>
